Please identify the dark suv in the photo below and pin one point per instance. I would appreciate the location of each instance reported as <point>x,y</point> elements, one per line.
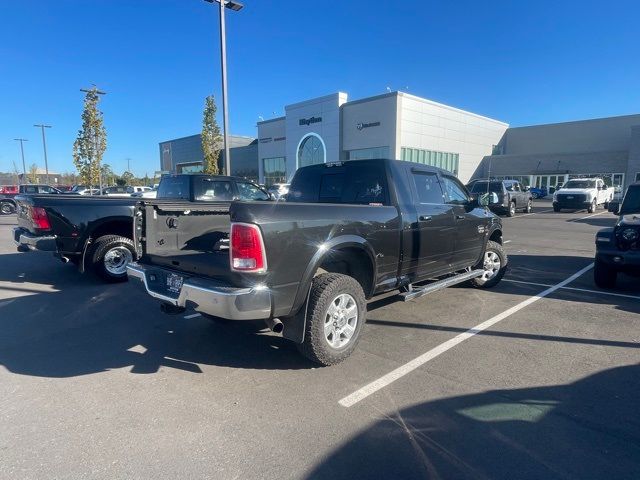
<point>512,195</point>
<point>618,248</point>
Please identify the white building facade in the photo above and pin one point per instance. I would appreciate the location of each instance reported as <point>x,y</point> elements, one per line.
<point>394,125</point>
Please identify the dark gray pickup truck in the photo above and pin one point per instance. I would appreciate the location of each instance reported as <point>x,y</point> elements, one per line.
<point>95,232</point>
<point>618,248</point>
<point>347,232</point>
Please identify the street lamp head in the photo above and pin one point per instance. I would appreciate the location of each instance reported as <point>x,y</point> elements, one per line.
<point>230,4</point>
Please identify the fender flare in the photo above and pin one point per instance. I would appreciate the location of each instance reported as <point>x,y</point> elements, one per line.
<point>295,326</point>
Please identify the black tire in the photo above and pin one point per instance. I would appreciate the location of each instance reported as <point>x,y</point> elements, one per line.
<point>592,208</point>
<point>529,206</point>
<point>483,282</point>
<point>325,289</point>
<point>104,245</point>
<point>603,275</point>
<point>556,208</point>
<point>7,208</point>
<point>512,209</point>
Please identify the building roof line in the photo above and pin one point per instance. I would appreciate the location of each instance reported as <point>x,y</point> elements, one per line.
<point>599,119</point>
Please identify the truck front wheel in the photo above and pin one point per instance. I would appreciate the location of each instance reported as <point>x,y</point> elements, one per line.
<point>110,257</point>
<point>494,265</point>
<point>604,275</point>
<point>336,313</point>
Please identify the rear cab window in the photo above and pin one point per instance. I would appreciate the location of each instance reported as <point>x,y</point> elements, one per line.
<point>174,187</point>
<point>346,183</point>
<point>210,189</point>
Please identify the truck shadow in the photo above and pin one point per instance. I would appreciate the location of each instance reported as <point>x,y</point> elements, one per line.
<point>588,429</point>
<point>58,323</point>
<point>603,221</point>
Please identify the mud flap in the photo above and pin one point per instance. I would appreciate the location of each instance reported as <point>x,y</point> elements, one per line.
<point>294,326</point>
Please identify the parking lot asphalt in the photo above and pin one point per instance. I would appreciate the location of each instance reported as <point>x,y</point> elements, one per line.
<point>536,378</point>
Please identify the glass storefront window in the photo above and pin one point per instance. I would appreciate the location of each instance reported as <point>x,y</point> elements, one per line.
<point>274,170</point>
<point>311,151</point>
<point>445,160</point>
<point>368,153</point>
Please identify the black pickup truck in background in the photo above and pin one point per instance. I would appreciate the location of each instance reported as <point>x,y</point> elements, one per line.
<point>8,200</point>
<point>95,232</point>
<point>618,248</point>
<point>347,232</point>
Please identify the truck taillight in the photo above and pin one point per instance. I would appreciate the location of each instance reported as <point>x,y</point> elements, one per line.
<point>247,248</point>
<point>40,218</point>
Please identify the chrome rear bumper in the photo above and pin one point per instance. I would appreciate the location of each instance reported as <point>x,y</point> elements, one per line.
<point>251,303</point>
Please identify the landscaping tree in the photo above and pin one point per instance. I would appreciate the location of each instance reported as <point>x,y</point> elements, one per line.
<point>33,173</point>
<point>127,177</point>
<point>91,142</point>
<point>107,174</point>
<point>211,138</point>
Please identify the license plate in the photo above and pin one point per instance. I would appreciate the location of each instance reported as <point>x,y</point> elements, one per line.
<point>174,282</point>
<point>569,197</point>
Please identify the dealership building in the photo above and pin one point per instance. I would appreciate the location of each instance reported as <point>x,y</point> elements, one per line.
<point>407,127</point>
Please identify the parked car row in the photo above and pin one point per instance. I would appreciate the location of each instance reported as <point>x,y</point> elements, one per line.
<point>222,246</point>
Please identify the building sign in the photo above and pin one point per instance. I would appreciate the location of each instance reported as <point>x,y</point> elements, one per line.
<point>361,125</point>
<point>309,121</point>
<point>265,140</point>
<point>279,139</point>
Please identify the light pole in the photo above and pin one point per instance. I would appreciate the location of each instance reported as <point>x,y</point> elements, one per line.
<point>44,145</point>
<point>235,6</point>
<point>24,165</point>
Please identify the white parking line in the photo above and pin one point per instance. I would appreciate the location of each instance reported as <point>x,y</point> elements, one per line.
<point>575,289</point>
<point>507,241</point>
<point>532,213</point>
<point>589,216</point>
<point>385,380</point>
<point>193,315</point>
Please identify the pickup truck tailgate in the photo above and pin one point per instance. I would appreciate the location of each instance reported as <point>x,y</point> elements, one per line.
<point>184,237</point>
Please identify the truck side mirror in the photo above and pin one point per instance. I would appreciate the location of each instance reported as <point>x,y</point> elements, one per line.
<point>614,207</point>
<point>486,199</point>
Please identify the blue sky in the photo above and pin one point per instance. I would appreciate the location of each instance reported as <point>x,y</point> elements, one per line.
<point>522,62</point>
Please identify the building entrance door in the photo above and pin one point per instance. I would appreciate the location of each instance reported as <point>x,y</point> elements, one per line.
<point>550,182</point>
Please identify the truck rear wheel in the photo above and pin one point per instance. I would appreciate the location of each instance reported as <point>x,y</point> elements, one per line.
<point>494,264</point>
<point>7,208</point>
<point>604,275</point>
<point>336,314</point>
<point>110,257</point>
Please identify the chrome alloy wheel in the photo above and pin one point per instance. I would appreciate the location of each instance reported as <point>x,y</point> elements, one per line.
<point>340,320</point>
<point>117,259</point>
<point>491,265</point>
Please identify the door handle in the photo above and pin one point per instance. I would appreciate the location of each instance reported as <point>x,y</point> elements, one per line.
<point>460,217</point>
<point>425,218</point>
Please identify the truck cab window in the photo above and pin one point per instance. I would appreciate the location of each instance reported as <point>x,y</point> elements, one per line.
<point>215,190</point>
<point>174,187</point>
<point>249,191</point>
<point>456,193</point>
<point>428,188</point>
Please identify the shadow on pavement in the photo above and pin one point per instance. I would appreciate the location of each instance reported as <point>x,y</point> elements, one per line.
<point>601,221</point>
<point>589,429</point>
<point>88,326</point>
